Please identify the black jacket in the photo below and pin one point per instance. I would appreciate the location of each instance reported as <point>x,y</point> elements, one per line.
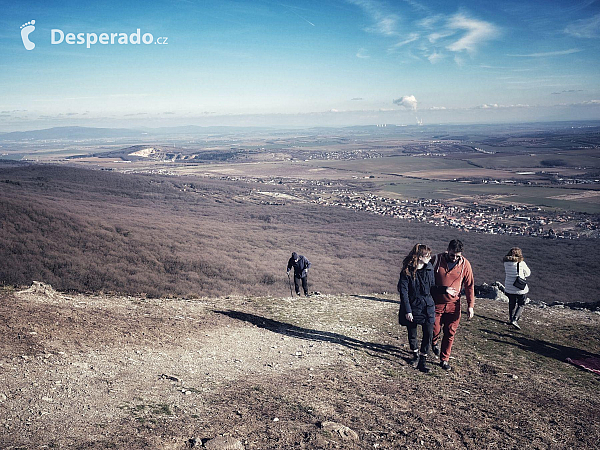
<point>415,296</point>
<point>299,266</point>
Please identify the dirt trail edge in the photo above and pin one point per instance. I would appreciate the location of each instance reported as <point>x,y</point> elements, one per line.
<point>97,371</point>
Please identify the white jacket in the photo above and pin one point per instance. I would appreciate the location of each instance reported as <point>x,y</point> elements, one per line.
<point>510,269</point>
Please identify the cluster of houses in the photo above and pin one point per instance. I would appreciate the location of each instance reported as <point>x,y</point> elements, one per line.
<point>513,220</point>
<point>522,220</point>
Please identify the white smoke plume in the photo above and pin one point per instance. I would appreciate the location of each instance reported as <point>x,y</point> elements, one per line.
<point>408,102</point>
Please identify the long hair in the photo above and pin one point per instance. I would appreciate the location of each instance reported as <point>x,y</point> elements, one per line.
<point>514,254</point>
<point>409,265</point>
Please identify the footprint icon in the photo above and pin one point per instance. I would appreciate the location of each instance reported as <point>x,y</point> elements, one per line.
<point>26,30</point>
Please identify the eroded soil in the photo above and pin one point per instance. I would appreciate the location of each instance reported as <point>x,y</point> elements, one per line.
<point>96,371</point>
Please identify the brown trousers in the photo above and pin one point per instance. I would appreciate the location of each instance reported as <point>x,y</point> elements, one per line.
<point>447,318</point>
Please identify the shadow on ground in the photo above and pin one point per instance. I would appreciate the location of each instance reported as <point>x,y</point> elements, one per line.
<point>384,351</point>
<point>540,346</point>
<point>376,299</point>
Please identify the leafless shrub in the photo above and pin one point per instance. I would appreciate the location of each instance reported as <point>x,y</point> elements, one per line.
<point>102,231</point>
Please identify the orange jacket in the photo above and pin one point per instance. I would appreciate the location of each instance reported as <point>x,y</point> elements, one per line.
<point>461,275</point>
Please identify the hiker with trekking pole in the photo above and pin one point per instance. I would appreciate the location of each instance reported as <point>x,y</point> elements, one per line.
<point>301,266</point>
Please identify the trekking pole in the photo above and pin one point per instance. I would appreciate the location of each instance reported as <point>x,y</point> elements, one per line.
<point>290,283</point>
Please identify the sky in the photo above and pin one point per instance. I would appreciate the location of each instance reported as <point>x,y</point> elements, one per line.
<point>301,63</point>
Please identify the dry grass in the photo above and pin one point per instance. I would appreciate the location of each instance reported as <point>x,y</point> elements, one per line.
<point>100,231</point>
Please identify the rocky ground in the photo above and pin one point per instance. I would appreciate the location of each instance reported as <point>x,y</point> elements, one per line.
<point>96,371</point>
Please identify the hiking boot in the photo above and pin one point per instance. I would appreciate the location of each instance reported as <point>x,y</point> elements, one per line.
<point>436,350</point>
<point>445,365</point>
<point>515,324</point>
<point>298,294</point>
<point>414,361</point>
<point>422,366</point>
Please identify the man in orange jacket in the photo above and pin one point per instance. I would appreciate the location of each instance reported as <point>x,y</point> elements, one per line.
<point>453,271</point>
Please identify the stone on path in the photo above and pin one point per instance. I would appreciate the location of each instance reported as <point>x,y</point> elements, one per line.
<point>341,430</point>
<point>224,443</point>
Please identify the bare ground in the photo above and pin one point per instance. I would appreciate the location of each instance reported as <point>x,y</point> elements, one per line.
<point>95,371</point>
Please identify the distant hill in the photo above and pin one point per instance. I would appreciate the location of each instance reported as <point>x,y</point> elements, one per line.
<point>459,132</point>
<point>83,133</point>
<point>196,129</point>
<point>71,133</point>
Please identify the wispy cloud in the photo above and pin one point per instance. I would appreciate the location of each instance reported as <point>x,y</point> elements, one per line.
<point>436,36</point>
<point>412,37</point>
<point>455,33</point>
<point>435,57</point>
<point>416,5</point>
<point>544,54</point>
<point>385,23</point>
<point>586,103</point>
<point>585,28</point>
<point>497,106</point>
<point>485,106</point>
<point>568,91</point>
<point>362,53</point>
<point>430,21</point>
<point>476,33</point>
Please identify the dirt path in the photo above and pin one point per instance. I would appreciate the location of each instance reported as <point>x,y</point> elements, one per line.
<point>99,371</point>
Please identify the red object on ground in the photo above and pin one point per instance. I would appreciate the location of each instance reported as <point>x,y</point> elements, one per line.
<point>592,364</point>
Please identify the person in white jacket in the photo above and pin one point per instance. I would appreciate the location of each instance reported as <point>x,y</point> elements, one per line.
<point>515,266</point>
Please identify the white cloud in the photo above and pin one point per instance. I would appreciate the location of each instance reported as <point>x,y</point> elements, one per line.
<point>457,33</point>
<point>435,57</point>
<point>429,22</point>
<point>386,26</point>
<point>497,106</point>
<point>476,32</point>
<point>586,103</point>
<point>585,28</point>
<point>362,53</point>
<point>434,37</point>
<point>407,101</point>
<point>411,38</point>
<point>543,54</point>
<point>385,23</point>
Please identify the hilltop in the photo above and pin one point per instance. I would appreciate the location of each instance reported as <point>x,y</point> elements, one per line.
<point>99,371</point>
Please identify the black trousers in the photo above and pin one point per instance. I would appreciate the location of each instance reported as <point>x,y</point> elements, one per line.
<point>304,284</point>
<point>516,303</point>
<point>427,335</point>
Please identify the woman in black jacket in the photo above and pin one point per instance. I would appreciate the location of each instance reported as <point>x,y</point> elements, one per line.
<point>416,282</point>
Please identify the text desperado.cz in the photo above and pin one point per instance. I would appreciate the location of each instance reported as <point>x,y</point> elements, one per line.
<point>58,36</point>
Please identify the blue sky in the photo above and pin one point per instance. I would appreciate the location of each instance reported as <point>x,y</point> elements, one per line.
<point>303,63</point>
